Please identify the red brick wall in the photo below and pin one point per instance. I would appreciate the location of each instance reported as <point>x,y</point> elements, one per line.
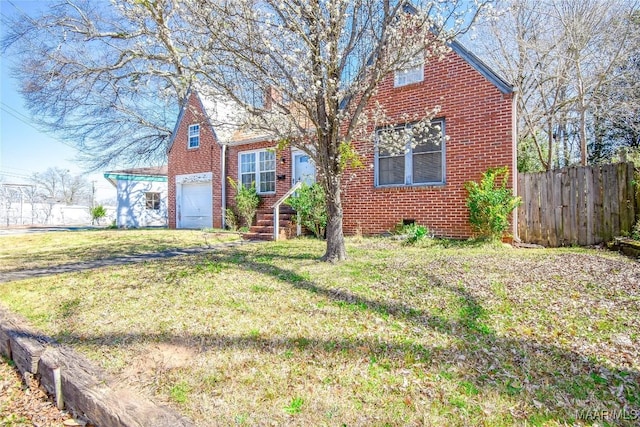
<point>478,123</point>
<point>205,158</point>
<point>282,168</point>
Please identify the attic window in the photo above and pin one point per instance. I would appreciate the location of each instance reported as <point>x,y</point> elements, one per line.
<point>413,72</point>
<point>194,136</point>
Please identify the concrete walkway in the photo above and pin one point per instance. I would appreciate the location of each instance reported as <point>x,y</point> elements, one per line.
<point>31,229</point>
<point>10,276</point>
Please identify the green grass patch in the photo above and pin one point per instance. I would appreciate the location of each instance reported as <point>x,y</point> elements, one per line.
<point>452,333</point>
<point>37,250</point>
<point>295,407</point>
<point>179,392</point>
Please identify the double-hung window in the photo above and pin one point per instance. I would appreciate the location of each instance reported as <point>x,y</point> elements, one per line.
<point>259,167</point>
<point>194,136</point>
<point>410,155</point>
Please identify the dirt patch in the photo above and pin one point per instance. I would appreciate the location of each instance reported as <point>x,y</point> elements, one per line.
<point>157,358</point>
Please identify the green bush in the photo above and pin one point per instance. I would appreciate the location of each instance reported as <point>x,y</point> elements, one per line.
<point>97,213</point>
<point>309,202</point>
<point>411,233</point>
<point>635,233</point>
<point>231,220</point>
<point>247,201</point>
<point>415,233</point>
<point>490,202</point>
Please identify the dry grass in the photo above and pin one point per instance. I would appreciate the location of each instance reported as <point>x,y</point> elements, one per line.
<point>23,252</point>
<point>267,335</point>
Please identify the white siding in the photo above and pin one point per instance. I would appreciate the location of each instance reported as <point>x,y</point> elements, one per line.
<point>132,210</point>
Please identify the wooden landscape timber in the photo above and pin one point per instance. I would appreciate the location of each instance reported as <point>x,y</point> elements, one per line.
<point>75,383</point>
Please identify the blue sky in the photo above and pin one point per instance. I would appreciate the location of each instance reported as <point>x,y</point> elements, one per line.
<point>24,149</point>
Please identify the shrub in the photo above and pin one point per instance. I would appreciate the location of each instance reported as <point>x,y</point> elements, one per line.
<point>490,202</point>
<point>231,220</point>
<point>415,233</point>
<point>412,233</point>
<point>97,213</point>
<point>247,201</point>
<point>635,233</point>
<point>309,203</point>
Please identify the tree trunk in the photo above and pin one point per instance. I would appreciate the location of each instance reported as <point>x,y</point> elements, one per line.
<point>583,135</point>
<point>583,112</point>
<point>335,238</point>
<point>550,147</point>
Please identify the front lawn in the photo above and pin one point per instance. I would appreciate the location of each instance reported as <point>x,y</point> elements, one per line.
<point>265,334</point>
<point>23,252</point>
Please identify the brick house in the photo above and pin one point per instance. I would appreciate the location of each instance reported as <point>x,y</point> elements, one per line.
<point>425,185</point>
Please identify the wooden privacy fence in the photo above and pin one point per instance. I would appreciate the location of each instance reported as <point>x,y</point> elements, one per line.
<point>582,205</point>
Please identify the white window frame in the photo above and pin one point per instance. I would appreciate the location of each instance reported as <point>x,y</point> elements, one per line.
<point>408,161</point>
<point>412,73</point>
<point>257,168</point>
<point>194,136</point>
<point>154,198</point>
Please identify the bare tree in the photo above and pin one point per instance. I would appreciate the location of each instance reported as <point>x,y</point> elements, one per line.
<point>103,76</point>
<point>321,62</point>
<point>596,41</point>
<point>7,195</point>
<point>560,55</point>
<point>106,76</point>
<point>60,186</point>
<point>522,46</point>
<point>32,197</point>
<point>618,114</point>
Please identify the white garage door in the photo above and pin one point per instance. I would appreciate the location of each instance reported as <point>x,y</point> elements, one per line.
<point>196,205</point>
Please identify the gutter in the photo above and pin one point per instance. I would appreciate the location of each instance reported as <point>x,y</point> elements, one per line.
<point>514,166</point>
<point>112,177</point>
<point>223,191</point>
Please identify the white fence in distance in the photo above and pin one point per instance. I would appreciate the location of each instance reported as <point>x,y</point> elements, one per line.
<point>26,214</point>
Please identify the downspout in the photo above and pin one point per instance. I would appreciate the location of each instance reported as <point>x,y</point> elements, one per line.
<point>514,165</point>
<point>223,191</point>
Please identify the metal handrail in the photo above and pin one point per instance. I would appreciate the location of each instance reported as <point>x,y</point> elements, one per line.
<point>276,209</point>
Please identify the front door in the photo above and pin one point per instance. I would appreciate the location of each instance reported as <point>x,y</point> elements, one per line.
<point>303,168</point>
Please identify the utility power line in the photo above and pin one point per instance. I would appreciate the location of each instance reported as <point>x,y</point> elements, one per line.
<point>13,174</point>
<point>24,119</point>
